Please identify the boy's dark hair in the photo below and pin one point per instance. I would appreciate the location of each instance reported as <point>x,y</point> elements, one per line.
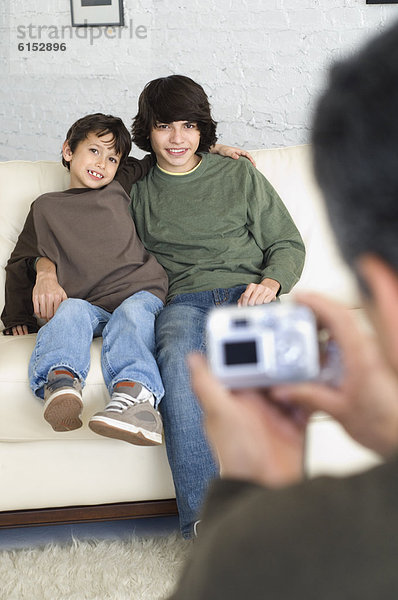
<point>101,125</point>
<point>173,98</point>
<point>355,145</point>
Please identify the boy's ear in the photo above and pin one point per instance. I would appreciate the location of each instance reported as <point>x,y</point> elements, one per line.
<point>66,151</point>
<point>382,282</point>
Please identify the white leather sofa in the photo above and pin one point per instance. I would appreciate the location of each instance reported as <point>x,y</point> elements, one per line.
<point>49,477</point>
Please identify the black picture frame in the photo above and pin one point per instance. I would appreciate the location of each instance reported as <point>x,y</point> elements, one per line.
<point>96,3</point>
<point>97,13</point>
<point>381,1</point>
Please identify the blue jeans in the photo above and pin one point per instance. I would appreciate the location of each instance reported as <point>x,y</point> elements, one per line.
<point>180,329</point>
<point>128,343</point>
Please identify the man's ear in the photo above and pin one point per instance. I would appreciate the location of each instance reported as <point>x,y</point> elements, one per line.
<point>66,151</point>
<point>382,282</point>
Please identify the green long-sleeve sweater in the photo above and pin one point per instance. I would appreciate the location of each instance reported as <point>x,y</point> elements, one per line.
<point>220,226</point>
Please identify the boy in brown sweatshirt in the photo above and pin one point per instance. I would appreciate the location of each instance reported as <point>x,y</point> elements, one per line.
<point>108,283</point>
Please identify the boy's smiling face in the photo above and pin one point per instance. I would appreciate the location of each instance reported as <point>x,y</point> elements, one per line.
<point>94,162</point>
<point>175,145</point>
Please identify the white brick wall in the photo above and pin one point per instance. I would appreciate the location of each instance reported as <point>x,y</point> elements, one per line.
<point>262,63</point>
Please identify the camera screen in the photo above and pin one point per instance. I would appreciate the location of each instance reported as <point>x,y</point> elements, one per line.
<point>240,353</point>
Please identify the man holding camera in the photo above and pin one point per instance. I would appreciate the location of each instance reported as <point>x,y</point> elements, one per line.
<point>264,532</point>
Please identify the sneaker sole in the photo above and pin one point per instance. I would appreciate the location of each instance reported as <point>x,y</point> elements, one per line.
<point>125,431</point>
<point>63,410</point>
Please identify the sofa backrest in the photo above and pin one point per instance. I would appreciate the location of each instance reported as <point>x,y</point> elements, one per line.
<point>288,169</point>
<point>21,182</point>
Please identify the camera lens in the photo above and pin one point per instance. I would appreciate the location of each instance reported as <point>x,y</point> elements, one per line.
<point>290,349</point>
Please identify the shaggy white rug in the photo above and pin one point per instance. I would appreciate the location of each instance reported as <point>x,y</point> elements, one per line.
<point>129,569</point>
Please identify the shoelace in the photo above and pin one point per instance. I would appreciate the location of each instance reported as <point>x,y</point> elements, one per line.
<point>120,402</point>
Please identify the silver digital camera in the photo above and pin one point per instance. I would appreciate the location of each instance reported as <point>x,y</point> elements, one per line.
<point>260,346</point>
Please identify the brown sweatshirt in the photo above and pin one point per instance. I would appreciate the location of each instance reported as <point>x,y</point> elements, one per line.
<point>90,236</point>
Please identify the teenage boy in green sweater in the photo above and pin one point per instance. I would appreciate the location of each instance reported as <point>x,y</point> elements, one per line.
<point>223,236</point>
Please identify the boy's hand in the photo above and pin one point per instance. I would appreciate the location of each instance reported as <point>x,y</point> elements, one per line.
<point>253,438</point>
<point>231,152</point>
<point>17,330</point>
<point>47,294</point>
<point>259,293</point>
<point>20,330</point>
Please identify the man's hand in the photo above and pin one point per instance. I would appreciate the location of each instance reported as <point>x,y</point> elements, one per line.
<point>253,438</point>
<point>259,293</point>
<point>47,294</point>
<point>231,152</point>
<point>366,400</point>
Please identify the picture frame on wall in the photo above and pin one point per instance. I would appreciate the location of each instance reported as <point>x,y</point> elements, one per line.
<point>381,1</point>
<point>96,13</point>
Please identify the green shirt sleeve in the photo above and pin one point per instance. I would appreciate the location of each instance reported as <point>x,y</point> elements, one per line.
<point>274,231</point>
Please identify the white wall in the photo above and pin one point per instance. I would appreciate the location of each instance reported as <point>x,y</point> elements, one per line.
<point>262,63</point>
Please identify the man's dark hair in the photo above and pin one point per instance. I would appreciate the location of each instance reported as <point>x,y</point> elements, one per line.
<point>355,143</point>
<point>173,98</point>
<point>101,125</point>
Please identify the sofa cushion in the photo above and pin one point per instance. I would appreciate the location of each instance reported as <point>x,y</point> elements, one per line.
<point>21,413</point>
<point>41,468</point>
<point>80,472</point>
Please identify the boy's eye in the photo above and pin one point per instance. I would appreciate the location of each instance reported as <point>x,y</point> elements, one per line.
<point>162,125</point>
<point>190,125</point>
<point>94,150</point>
<point>112,159</point>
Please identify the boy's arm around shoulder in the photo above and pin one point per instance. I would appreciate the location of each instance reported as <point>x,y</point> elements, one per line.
<point>20,279</point>
<point>132,170</point>
<point>231,152</point>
